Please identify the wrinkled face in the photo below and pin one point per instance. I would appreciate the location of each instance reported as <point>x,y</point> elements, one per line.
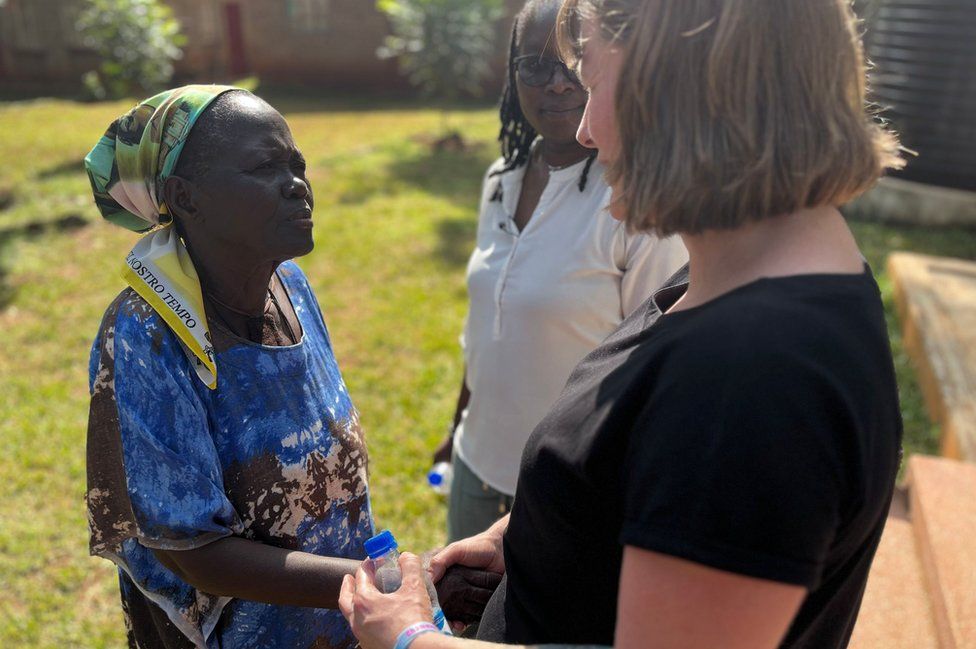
<point>254,197</point>
<point>599,70</point>
<point>553,109</point>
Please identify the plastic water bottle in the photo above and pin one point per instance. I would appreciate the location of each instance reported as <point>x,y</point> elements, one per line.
<point>439,477</point>
<point>439,620</point>
<point>384,554</point>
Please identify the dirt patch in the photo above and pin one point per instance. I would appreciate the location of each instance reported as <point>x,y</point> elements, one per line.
<point>92,595</point>
<point>70,222</point>
<point>452,142</point>
<point>34,229</point>
<point>67,168</point>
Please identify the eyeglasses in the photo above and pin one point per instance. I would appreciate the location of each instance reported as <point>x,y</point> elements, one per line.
<point>535,70</point>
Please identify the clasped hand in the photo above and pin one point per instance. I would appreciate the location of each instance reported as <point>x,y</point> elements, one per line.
<point>466,574</point>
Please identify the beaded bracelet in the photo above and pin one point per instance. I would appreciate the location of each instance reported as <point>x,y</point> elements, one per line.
<point>410,634</point>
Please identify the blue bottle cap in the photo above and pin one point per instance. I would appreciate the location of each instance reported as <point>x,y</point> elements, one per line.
<point>435,479</point>
<point>380,544</point>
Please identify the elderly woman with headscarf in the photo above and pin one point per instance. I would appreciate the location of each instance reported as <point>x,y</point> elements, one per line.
<point>226,465</point>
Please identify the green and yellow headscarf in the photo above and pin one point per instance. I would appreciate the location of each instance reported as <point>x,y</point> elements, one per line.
<point>128,168</point>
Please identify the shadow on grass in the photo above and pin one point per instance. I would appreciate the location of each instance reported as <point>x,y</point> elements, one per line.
<point>28,231</point>
<point>455,239</point>
<point>456,175</point>
<point>70,167</point>
<point>7,292</point>
<point>6,198</point>
<point>452,174</point>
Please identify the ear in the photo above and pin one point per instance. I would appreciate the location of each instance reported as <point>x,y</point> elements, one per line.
<point>180,195</point>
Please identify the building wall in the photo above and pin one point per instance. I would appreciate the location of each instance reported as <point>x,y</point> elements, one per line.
<point>200,22</point>
<point>331,43</point>
<point>38,42</point>
<point>286,41</point>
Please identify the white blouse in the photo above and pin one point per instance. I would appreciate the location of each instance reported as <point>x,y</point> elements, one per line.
<point>540,300</point>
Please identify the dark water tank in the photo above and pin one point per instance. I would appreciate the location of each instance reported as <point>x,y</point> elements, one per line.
<point>924,56</point>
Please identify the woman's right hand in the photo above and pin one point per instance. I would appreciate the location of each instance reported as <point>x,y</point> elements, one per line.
<point>480,551</point>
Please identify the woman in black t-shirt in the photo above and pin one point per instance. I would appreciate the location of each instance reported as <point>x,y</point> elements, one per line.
<point>718,472</point>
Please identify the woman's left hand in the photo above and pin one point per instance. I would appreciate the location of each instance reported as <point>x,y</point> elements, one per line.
<point>377,618</point>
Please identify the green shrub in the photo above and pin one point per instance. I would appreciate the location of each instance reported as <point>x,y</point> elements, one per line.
<point>444,46</point>
<point>137,42</point>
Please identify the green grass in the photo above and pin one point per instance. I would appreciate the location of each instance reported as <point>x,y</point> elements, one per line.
<point>877,241</point>
<point>395,224</point>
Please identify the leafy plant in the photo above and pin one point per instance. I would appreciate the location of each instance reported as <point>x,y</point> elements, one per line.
<point>444,47</point>
<point>137,41</point>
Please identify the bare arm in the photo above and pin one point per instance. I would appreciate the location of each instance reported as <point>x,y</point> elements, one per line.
<point>464,396</point>
<point>443,452</point>
<point>378,619</point>
<point>236,567</point>
<point>684,605</point>
<point>669,603</point>
<point>663,603</point>
<point>437,641</point>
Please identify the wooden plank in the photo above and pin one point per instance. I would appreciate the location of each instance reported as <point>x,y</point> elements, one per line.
<point>896,612</point>
<point>943,514</point>
<point>936,298</point>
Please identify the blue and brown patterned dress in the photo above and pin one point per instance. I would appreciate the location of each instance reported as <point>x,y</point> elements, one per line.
<point>274,454</point>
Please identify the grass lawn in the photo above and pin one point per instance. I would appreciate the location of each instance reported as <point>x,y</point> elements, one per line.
<point>395,224</point>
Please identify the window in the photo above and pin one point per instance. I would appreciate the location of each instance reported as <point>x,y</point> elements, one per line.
<point>308,15</point>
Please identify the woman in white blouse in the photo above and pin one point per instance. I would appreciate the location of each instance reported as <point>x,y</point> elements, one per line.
<point>552,274</point>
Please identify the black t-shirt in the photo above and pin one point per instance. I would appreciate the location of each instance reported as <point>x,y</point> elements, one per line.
<point>758,434</point>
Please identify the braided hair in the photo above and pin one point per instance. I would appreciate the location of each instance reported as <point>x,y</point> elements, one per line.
<point>517,135</point>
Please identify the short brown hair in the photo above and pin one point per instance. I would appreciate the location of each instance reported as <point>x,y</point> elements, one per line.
<point>732,111</point>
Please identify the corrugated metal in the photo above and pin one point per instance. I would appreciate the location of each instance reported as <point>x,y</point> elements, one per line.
<point>924,56</point>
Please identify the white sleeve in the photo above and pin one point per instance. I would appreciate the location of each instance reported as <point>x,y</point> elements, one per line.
<point>649,262</point>
<point>489,185</point>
